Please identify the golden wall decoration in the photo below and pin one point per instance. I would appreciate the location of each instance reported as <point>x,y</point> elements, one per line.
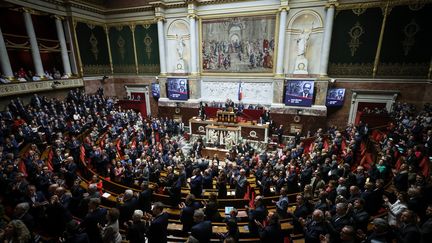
<point>410,30</point>
<point>121,45</point>
<point>96,69</point>
<point>350,69</point>
<point>94,43</point>
<point>147,42</point>
<point>149,68</point>
<point>359,11</point>
<point>355,33</point>
<point>403,70</point>
<point>416,6</point>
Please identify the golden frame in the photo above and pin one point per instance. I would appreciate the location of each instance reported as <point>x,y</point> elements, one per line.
<point>269,13</point>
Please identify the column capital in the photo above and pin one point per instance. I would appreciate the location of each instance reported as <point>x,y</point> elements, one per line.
<point>132,26</point>
<point>332,3</point>
<point>159,18</point>
<point>28,10</point>
<point>106,28</point>
<point>282,8</point>
<point>192,16</point>
<point>57,17</point>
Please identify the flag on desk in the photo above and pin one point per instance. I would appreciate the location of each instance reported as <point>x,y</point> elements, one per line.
<point>240,91</point>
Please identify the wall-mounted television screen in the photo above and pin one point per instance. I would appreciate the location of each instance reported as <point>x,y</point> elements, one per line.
<point>177,89</point>
<point>155,88</point>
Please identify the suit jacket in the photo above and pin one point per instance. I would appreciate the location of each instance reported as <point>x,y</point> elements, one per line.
<point>158,231</point>
<point>240,189</point>
<point>144,200</point>
<point>186,217</point>
<point>202,231</point>
<point>90,224</point>
<point>136,232</point>
<point>313,230</point>
<point>271,233</point>
<point>196,186</point>
<point>127,209</point>
<point>426,231</point>
<point>408,234</point>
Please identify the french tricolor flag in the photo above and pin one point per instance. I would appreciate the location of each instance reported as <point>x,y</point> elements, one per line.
<point>240,91</point>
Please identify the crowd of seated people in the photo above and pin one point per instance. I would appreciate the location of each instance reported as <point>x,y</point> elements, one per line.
<point>27,76</point>
<point>336,197</point>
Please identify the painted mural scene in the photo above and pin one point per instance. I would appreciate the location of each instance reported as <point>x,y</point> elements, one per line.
<point>242,44</point>
<point>196,121</point>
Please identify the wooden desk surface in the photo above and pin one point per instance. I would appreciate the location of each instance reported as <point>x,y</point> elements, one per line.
<point>216,123</point>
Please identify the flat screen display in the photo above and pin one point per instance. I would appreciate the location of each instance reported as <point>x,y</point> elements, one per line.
<point>177,89</point>
<point>299,93</point>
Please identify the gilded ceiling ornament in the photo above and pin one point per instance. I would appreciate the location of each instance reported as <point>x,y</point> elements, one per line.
<point>91,26</point>
<point>148,41</point>
<point>121,45</point>
<point>146,26</point>
<point>416,6</point>
<point>94,43</point>
<point>359,11</point>
<point>410,30</point>
<point>355,32</point>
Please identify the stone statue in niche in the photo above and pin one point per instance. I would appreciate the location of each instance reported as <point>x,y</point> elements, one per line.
<point>180,50</point>
<point>301,63</point>
<point>302,42</point>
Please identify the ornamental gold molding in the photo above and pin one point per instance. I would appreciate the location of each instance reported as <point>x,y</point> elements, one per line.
<point>355,33</point>
<point>350,69</point>
<point>149,68</point>
<point>132,27</point>
<point>94,46</point>
<point>96,69</point>
<point>410,30</point>
<point>386,12</point>
<point>17,88</point>
<point>121,46</point>
<point>403,70</point>
<point>147,42</point>
<point>375,4</point>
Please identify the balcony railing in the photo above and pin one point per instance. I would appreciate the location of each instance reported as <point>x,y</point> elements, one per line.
<point>17,88</point>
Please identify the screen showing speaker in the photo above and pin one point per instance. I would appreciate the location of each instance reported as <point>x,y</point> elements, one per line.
<point>177,89</point>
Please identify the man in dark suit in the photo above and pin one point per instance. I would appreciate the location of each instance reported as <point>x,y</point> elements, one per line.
<point>280,132</point>
<point>408,231</point>
<point>96,216</point>
<point>202,230</point>
<point>241,184</point>
<point>145,197</point>
<point>272,232</point>
<point>127,206</point>
<point>196,183</point>
<point>157,231</point>
<point>187,212</point>
<point>306,90</point>
<point>426,228</point>
<point>316,227</point>
<point>258,214</point>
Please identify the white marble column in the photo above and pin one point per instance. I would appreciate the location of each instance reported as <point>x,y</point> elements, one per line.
<point>4,58</point>
<point>328,30</point>
<point>70,39</point>
<point>281,42</point>
<point>63,47</point>
<point>161,38</point>
<point>193,43</point>
<point>34,44</point>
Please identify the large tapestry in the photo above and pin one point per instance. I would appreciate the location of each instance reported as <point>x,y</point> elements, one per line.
<point>93,49</point>
<point>240,44</point>
<point>122,50</point>
<point>147,48</point>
